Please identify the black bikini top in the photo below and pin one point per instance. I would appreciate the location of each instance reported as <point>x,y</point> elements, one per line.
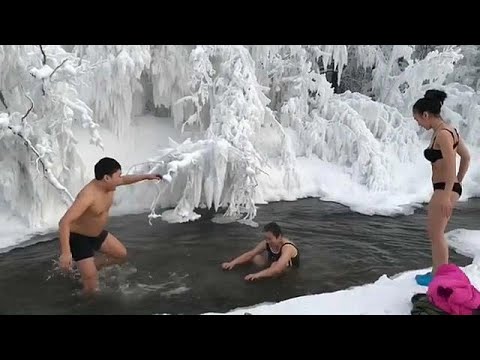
<point>432,154</point>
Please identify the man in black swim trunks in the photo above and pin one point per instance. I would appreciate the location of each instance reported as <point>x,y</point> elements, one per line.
<point>275,250</point>
<point>82,228</point>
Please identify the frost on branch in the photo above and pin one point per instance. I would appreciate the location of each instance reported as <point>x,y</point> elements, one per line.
<point>467,70</point>
<point>170,72</point>
<point>357,75</point>
<point>389,64</point>
<point>221,169</point>
<point>201,83</point>
<point>39,93</point>
<point>462,110</point>
<point>275,64</point>
<point>306,119</point>
<point>349,130</point>
<point>39,152</point>
<point>303,89</point>
<point>114,79</point>
<point>210,173</point>
<point>398,75</point>
<point>401,87</point>
<point>336,54</point>
<point>370,138</point>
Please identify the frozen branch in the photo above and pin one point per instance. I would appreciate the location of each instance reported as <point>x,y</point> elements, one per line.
<point>53,72</point>
<point>46,171</point>
<point>29,110</point>
<point>44,61</point>
<point>2,99</point>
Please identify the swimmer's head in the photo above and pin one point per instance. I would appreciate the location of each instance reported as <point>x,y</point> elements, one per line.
<point>109,172</point>
<point>428,108</point>
<point>273,233</point>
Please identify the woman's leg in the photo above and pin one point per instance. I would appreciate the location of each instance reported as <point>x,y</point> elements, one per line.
<point>436,225</point>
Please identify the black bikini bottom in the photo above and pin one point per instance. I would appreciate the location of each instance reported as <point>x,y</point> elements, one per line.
<point>457,187</point>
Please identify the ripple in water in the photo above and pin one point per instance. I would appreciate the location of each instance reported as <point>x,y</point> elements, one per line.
<point>124,280</point>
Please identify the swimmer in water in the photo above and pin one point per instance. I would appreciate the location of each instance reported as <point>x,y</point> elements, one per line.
<point>274,251</point>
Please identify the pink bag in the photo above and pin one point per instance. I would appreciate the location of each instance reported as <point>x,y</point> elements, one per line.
<point>452,292</point>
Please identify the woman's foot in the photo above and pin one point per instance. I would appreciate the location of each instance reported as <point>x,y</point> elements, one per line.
<point>424,280</point>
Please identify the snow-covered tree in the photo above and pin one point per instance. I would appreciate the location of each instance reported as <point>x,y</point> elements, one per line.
<point>467,70</point>
<point>296,106</point>
<point>228,102</point>
<point>247,114</point>
<point>38,92</point>
<point>113,82</point>
<point>419,76</point>
<point>170,72</point>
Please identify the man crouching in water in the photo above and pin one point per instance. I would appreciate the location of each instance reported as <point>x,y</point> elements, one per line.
<point>82,228</point>
<point>275,250</point>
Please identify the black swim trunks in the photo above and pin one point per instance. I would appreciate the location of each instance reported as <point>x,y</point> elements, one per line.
<point>83,247</point>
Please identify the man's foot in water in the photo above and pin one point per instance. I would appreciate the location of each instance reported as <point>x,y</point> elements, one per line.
<point>424,280</point>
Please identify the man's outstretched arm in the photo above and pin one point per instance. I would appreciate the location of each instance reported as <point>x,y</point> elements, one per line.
<point>132,179</point>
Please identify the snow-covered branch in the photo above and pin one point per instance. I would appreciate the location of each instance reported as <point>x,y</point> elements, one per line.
<point>221,169</point>
<point>2,99</point>
<point>42,111</point>
<point>110,87</point>
<point>58,67</point>
<point>44,56</point>
<point>30,109</point>
<point>46,170</point>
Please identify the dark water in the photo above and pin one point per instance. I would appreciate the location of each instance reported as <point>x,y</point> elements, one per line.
<point>175,268</point>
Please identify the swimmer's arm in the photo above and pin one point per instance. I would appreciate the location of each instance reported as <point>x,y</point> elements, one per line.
<point>464,154</point>
<point>279,266</point>
<point>445,141</point>
<point>79,206</point>
<point>132,179</point>
<point>249,255</point>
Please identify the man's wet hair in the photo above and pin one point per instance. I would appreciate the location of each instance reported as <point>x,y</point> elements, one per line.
<point>273,228</point>
<point>106,166</point>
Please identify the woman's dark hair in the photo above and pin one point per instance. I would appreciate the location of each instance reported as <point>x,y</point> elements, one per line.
<point>431,102</point>
<point>273,228</point>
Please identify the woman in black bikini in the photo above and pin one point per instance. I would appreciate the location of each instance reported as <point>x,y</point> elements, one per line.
<point>446,144</point>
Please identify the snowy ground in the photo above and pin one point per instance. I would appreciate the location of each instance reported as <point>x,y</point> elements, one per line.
<point>386,296</point>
